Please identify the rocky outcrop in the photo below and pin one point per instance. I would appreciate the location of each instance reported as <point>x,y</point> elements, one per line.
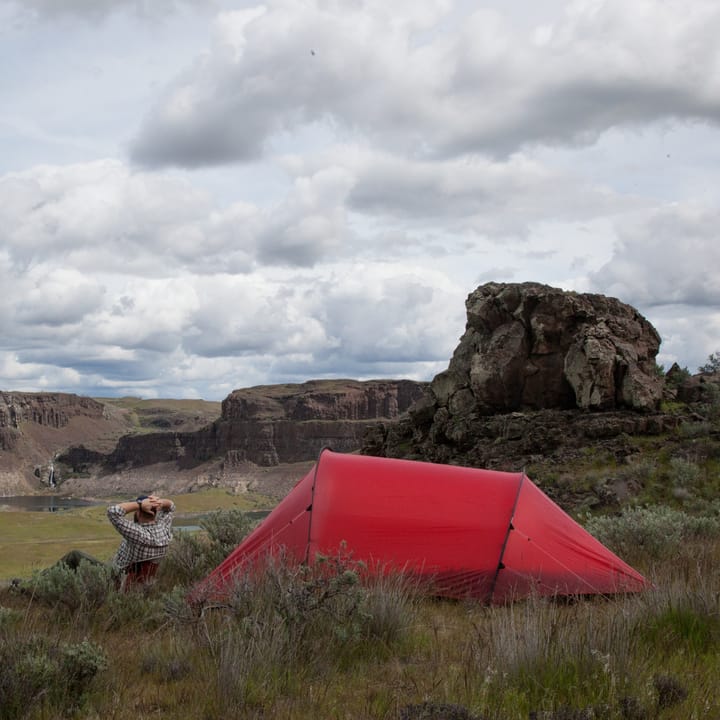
<point>322,400</point>
<point>529,347</point>
<point>31,414</point>
<point>700,388</point>
<point>49,409</point>
<point>511,441</point>
<point>267,425</point>
<point>34,427</point>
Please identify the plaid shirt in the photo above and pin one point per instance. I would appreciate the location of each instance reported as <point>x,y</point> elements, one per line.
<point>141,542</point>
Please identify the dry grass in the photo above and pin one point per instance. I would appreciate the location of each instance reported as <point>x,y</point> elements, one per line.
<point>276,655</point>
<point>292,646</point>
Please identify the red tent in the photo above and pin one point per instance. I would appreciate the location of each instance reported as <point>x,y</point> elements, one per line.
<point>484,534</point>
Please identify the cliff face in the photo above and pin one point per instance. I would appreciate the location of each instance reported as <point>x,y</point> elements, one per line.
<point>53,410</point>
<point>266,426</point>
<point>35,427</point>
<point>322,400</point>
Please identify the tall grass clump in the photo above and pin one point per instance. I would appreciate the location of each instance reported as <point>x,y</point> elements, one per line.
<point>542,654</point>
<point>682,613</point>
<point>294,623</point>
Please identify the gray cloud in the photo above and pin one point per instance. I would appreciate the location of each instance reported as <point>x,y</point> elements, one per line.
<point>95,10</point>
<point>57,298</point>
<point>482,87</point>
<point>102,217</point>
<point>497,197</point>
<point>670,257</point>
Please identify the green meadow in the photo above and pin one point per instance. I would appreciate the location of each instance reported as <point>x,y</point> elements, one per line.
<point>31,541</point>
<point>306,643</point>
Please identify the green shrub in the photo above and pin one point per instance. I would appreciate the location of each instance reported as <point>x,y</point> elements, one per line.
<point>85,588</point>
<point>657,531</point>
<point>684,472</point>
<point>38,673</point>
<point>712,365</point>
<point>188,559</point>
<point>192,556</point>
<point>142,609</point>
<point>225,530</point>
<point>9,617</point>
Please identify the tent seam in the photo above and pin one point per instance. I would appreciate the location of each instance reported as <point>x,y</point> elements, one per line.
<point>312,503</point>
<point>507,536</point>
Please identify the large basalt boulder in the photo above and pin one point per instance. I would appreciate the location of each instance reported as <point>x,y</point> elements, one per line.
<point>533,364</point>
<point>700,388</point>
<point>530,346</point>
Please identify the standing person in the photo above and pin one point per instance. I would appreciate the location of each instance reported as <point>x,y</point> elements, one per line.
<point>145,538</point>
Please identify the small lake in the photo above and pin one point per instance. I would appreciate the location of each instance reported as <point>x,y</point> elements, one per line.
<point>56,503</point>
<point>44,503</point>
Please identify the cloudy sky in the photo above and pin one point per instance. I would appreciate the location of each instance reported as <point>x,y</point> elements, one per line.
<point>202,195</point>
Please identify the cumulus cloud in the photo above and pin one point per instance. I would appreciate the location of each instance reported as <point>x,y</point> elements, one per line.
<point>56,297</point>
<point>666,258</point>
<point>480,87</point>
<point>493,197</point>
<point>380,160</point>
<point>101,216</point>
<point>95,10</point>
<point>95,215</point>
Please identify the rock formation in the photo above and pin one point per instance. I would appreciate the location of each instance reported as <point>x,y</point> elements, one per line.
<point>529,347</point>
<point>49,409</point>
<point>266,426</point>
<point>34,427</point>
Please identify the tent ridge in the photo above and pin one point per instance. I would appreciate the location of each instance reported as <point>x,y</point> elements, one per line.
<point>312,502</point>
<point>511,526</point>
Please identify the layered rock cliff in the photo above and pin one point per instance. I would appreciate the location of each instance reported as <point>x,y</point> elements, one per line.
<point>36,427</point>
<point>266,426</point>
<point>53,410</point>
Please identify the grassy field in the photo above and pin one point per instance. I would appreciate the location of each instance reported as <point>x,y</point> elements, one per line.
<point>34,540</point>
<point>163,414</point>
<point>301,646</point>
<point>296,644</point>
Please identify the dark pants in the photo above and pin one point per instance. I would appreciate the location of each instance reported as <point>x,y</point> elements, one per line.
<point>139,573</point>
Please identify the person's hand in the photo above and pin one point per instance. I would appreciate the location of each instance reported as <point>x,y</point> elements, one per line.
<point>155,503</point>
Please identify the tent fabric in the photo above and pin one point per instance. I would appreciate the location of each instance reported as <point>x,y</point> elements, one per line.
<point>483,534</point>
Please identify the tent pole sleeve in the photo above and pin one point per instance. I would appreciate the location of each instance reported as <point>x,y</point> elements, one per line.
<point>507,537</point>
<point>312,503</point>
